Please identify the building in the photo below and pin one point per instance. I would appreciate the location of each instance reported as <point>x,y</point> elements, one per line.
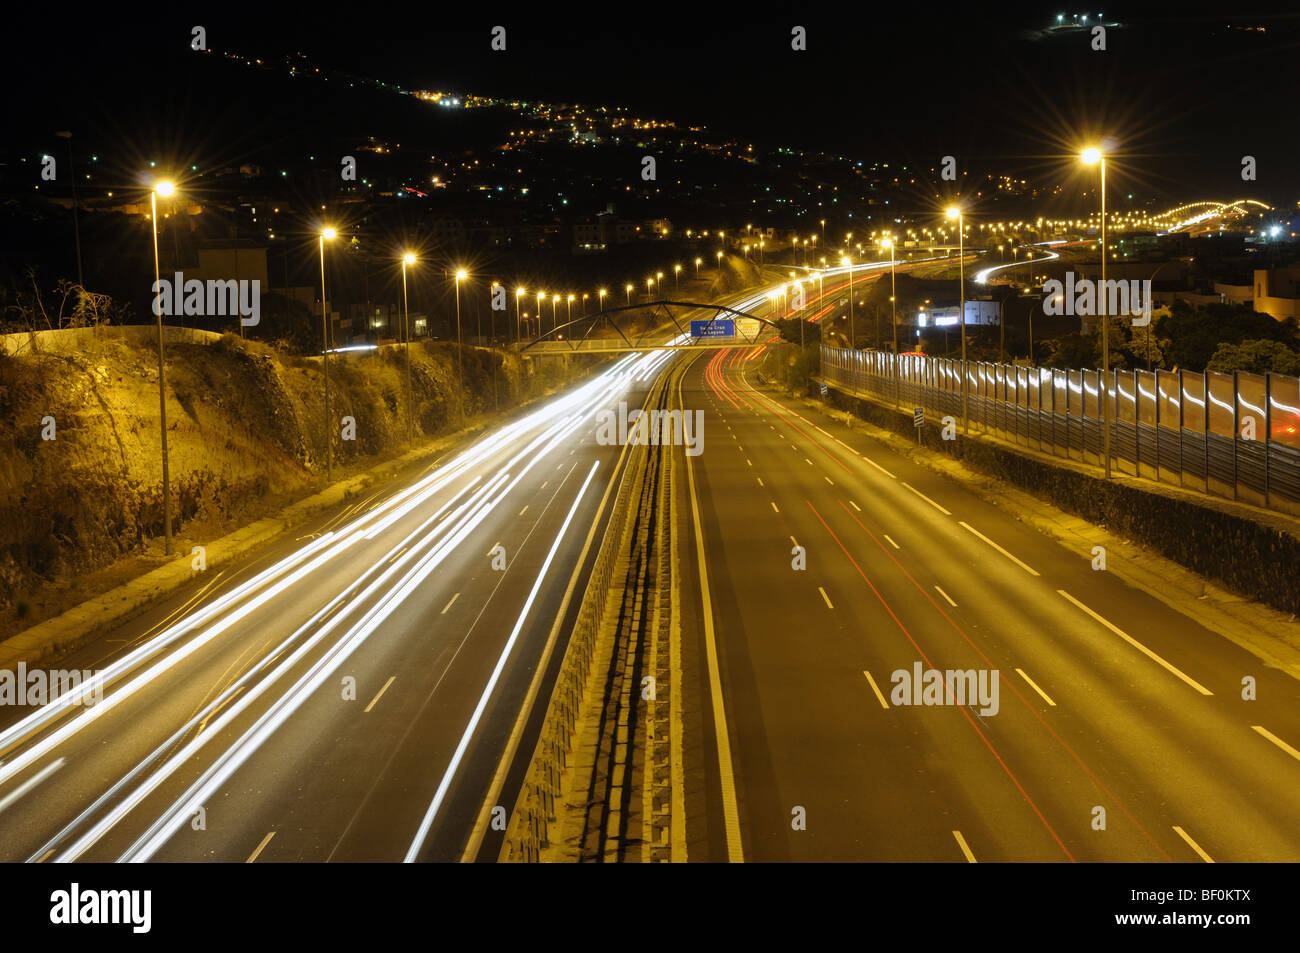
<point>978,311</point>
<point>1276,291</point>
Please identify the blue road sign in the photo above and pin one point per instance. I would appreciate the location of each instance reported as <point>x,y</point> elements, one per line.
<point>717,328</point>
<point>918,417</point>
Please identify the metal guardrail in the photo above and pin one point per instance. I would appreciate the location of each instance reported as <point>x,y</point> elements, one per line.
<point>1234,436</point>
<point>529,829</point>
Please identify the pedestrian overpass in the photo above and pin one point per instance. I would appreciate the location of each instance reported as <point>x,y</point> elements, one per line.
<point>603,332</point>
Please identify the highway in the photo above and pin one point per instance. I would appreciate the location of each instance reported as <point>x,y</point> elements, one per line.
<point>1108,698</point>
<point>371,688</point>
<point>347,694</point>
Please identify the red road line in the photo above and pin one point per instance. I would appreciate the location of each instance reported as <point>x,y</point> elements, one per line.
<point>965,713</point>
<point>1032,710</point>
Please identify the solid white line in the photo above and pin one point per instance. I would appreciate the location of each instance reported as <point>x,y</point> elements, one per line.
<point>17,793</point>
<point>1025,567</point>
<point>1193,845</point>
<point>961,842</point>
<point>1138,645</point>
<point>928,500</point>
<point>826,597</point>
<point>260,847</point>
<point>448,605</point>
<point>879,697</point>
<point>381,692</point>
<point>1277,741</point>
<point>890,541</point>
<point>1034,686</point>
<point>946,596</point>
<point>427,822</point>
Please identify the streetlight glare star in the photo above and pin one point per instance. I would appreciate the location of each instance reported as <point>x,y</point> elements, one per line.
<point>165,188</point>
<point>409,258</point>
<point>328,233</point>
<point>461,274</point>
<point>1090,156</point>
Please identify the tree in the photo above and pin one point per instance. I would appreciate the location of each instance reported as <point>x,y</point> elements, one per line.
<point>1190,334</point>
<point>1258,356</point>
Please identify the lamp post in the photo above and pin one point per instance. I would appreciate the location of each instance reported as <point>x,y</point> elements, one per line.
<point>697,267</point>
<point>407,259</point>
<point>518,333</point>
<point>852,333</point>
<point>1093,156</point>
<point>600,300</point>
<point>677,271</point>
<point>628,289</point>
<point>164,189</point>
<point>541,296</point>
<point>569,319</point>
<point>460,360</point>
<point>959,215</point>
<point>555,303</point>
<point>326,234</point>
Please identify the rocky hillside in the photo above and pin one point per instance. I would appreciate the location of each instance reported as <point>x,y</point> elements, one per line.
<point>80,471</point>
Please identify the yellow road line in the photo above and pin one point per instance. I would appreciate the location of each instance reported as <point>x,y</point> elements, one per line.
<point>1277,741</point>
<point>826,597</point>
<point>965,849</point>
<point>1139,646</point>
<point>1025,566</point>
<point>879,697</point>
<point>1193,845</point>
<point>260,847</point>
<point>1034,686</point>
<point>730,811</point>
<point>391,678</point>
<point>945,512</point>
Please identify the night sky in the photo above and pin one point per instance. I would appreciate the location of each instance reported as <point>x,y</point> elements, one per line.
<point>1182,94</point>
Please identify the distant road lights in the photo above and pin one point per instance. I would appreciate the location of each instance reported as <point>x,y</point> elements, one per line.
<point>677,270</point>
<point>628,289</point>
<point>165,189</point>
<point>719,265</point>
<point>1094,156</point>
<point>697,267</point>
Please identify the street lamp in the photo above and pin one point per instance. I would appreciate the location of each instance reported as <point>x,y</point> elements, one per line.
<point>518,292</point>
<point>677,270</point>
<point>956,213</point>
<point>164,189</point>
<point>1093,156</point>
<point>893,313</point>
<point>719,264</point>
<point>628,289</point>
<point>555,303</point>
<point>569,320</point>
<point>600,300</point>
<point>326,234</point>
<point>852,334</point>
<point>460,360</point>
<point>407,259</point>
<point>697,267</point>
